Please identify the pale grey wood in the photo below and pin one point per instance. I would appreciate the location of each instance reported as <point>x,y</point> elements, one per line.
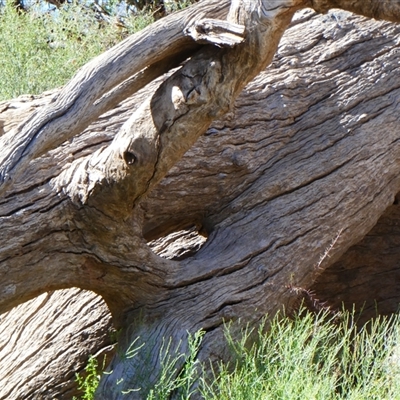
<point>388,9</point>
<point>220,33</point>
<point>44,342</point>
<point>75,106</point>
<point>307,156</point>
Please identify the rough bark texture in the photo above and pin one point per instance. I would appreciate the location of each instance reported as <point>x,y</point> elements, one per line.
<point>44,342</point>
<point>307,160</point>
<point>367,275</point>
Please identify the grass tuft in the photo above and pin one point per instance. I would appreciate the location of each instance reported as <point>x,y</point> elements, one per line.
<point>312,356</point>
<point>309,356</point>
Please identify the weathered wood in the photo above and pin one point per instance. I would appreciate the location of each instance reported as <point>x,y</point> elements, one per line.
<point>219,33</point>
<point>388,9</point>
<point>79,103</point>
<point>50,338</point>
<point>109,182</point>
<point>366,277</point>
<point>46,341</point>
<point>300,158</point>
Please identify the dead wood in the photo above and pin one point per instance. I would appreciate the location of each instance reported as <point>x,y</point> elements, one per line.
<point>307,157</point>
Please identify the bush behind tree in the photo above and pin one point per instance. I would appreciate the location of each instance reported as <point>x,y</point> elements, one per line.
<point>40,51</point>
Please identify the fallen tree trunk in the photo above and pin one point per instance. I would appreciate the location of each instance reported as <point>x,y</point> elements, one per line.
<point>299,166</point>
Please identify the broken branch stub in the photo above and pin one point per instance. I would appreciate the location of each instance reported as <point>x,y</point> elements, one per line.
<point>217,32</point>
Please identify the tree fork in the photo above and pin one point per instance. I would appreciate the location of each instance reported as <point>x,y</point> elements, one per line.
<point>88,206</point>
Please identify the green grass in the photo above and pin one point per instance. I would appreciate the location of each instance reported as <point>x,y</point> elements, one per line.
<point>310,356</point>
<point>40,51</point>
<point>313,357</point>
<point>182,383</point>
<point>179,5</point>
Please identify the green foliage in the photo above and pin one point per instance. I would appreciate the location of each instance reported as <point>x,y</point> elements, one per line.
<point>153,5</point>
<point>174,381</point>
<point>306,357</point>
<point>41,51</point>
<point>89,381</point>
<point>138,22</point>
<point>179,5</point>
<point>312,357</point>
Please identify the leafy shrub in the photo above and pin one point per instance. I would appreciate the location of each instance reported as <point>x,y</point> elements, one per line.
<point>89,381</point>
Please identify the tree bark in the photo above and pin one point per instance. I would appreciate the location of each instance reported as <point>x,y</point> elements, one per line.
<point>298,166</point>
<point>44,342</point>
